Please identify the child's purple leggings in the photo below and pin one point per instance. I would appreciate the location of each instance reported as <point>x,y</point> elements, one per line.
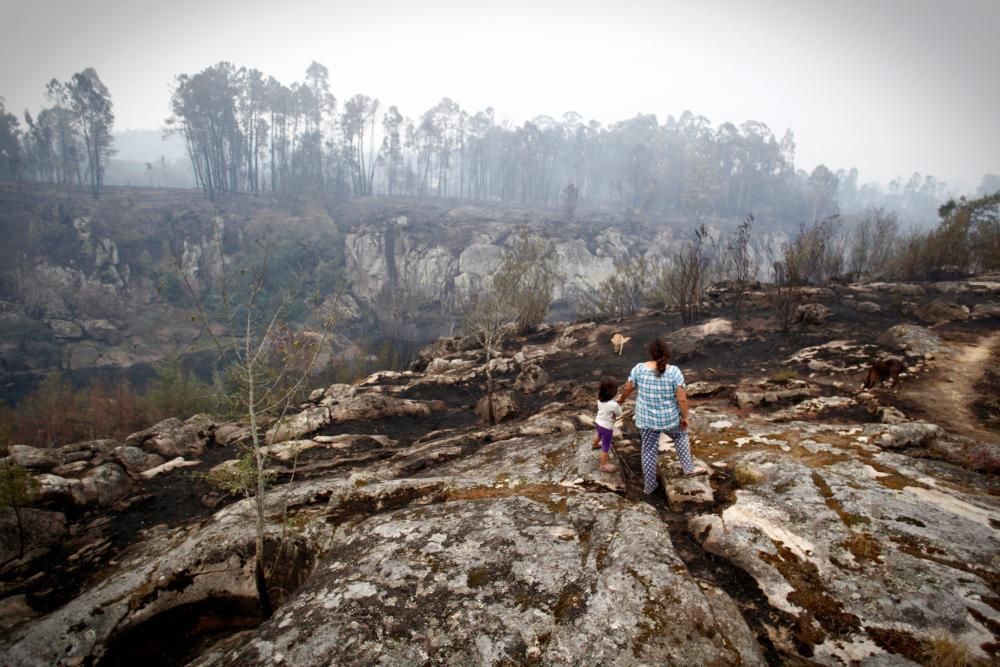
<point>651,451</point>
<point>605,435</point>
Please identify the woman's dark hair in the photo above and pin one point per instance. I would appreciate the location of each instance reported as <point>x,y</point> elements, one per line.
<point>660,353</point>
<point>609,387</point>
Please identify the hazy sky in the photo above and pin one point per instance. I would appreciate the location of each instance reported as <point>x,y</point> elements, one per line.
<point>888,86</point>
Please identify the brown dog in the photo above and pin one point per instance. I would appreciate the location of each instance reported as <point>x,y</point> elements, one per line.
<point>883,369</point>
<point>618,341</point>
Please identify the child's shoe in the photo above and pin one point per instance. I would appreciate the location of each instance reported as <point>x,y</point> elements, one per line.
<point>607,467</point>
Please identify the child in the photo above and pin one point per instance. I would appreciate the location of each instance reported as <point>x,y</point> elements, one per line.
<point>607,411</point>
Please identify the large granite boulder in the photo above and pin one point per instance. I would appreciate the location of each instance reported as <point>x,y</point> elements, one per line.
<point>231,433</point>
<point>102,330</point>
<point>911,339</point>
<point>689,342</point>
<point>375,405</point>
<point>344,406</point>
<point>172,437</point>
<point>33,458</point>
<point>536,354</point>
<point>769,397</point>
<point>531,380</point>
<point>66,329</point>
<point>136,460</point>
<point>909,434</point>
<point>299,425</point>
<point>986,310</point>
<point>56,491</point>
<point>812,313</point>
<point>901,289</point>
<point>505,406</point>
<point>336,393</point>
<point>85,450</point>
<point>98,486</point>
<point>105,484</point>
<point>440,366</point>
<point>706,389</point>
<point>942,310</point>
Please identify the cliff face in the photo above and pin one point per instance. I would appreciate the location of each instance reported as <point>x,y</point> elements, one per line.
<point>415,273</point>
<point>90,284</point>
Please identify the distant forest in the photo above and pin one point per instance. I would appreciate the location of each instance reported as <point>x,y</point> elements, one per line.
<point>246,132</point>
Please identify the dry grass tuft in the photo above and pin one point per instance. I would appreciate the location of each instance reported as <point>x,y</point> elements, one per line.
<point>747,474</point>
<point>863,546</point>
<point>983,457</point>
<point>943,651</point>
<point>781,638</point>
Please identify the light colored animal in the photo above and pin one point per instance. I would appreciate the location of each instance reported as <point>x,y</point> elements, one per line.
<point>618,341</point>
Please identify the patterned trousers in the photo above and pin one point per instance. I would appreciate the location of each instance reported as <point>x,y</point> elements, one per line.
<point>651,452</point>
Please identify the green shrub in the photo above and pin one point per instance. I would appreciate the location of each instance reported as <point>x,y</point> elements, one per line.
<point>784,375</point>
<point>176,392</point>
<point>172,290</point>
<point>17,489</point>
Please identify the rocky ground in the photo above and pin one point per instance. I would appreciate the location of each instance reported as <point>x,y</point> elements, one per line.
<point>838,526</point>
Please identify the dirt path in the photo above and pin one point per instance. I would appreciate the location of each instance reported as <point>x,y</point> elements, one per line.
<point>947,395</point>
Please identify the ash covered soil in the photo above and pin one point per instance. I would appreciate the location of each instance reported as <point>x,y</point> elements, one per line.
<point>836,525</point>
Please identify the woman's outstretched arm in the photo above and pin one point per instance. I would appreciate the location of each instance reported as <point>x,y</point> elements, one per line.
<point>626,391</point>
<point>682,404</point>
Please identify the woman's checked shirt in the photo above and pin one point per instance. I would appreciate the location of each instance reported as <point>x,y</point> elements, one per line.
<point>656,403</point>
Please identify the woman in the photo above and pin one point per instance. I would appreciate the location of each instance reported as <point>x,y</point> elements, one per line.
<point>660,407</point>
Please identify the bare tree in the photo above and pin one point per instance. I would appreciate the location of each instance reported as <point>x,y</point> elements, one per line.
<point>570,195</point>
<point>872,243</point>
<point>738,265</point>
<point>816,255</point>
<point>784,289</point>
<point>267,367</point>
<point>527,276</point>
<point>681,282</point>
<point>490,316</point>
<point>783,296</point>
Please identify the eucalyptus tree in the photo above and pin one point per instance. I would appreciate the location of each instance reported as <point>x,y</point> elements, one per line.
<point>358,122</point>
<point>10,145</point>
<point>93,112</point>
<point>59,119</point>
<point>392,147</point>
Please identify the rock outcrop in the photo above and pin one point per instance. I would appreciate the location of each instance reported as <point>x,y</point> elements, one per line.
<point>839,544</point>
<point>402,528</point>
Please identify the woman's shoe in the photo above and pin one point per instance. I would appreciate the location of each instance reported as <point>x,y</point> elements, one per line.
<point>697,471</point>
<point>607,467</point>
